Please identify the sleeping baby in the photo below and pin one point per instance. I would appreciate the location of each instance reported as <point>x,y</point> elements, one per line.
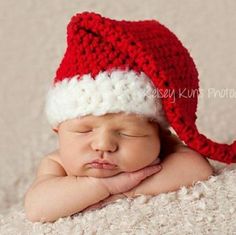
<point>102,156</point>
<point>112,125</point>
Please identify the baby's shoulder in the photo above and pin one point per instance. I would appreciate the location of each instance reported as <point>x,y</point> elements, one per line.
<point>49,167</point>
<point>54,156</point>
<point>51,164</point>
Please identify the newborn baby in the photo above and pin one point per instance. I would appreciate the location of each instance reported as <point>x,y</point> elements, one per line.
<point>104,157</point>
<point>118,89</point>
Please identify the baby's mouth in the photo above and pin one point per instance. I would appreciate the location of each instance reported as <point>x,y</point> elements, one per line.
<point>102,166</point>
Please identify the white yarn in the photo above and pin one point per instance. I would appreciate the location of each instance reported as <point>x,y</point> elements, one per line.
<point>117,91</point>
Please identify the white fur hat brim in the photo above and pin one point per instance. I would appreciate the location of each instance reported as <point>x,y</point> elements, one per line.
<point>114,92</point>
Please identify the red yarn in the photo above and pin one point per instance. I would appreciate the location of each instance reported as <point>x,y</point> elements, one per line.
<point>96,43</point>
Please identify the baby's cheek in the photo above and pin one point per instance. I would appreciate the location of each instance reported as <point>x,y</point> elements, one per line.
<point>134,161</point>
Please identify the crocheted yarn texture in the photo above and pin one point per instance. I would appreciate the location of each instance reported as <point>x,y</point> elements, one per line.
<point>98,44</point>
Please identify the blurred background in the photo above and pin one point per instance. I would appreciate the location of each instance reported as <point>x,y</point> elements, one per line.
<point>33,41</point>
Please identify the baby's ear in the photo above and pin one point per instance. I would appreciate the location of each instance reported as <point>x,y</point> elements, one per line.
<point>55,130</point>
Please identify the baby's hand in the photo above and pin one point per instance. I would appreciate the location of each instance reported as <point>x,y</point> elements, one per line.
<point>157,161</point>
<point>125,181</point>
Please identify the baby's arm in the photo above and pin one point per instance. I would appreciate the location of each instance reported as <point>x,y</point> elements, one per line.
<point>54,194</point>
<point>181,168</point>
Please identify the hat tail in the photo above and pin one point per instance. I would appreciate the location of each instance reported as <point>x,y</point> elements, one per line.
<point>225,152</point>
<point>216,151</point>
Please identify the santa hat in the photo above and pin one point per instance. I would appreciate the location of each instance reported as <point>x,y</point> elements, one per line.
<point>140,67</point>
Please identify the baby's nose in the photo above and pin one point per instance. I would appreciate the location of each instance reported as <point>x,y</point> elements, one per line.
<point>104,142</point>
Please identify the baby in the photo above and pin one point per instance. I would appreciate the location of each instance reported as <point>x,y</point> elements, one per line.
<point>92,156</point>
<point>113,132</point>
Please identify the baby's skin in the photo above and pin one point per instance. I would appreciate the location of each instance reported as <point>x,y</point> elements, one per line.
<point>67,182</point>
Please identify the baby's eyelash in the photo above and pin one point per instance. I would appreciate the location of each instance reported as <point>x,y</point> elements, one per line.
<point>126,135</point>
<point>84,131</point>
<point>120,133</point>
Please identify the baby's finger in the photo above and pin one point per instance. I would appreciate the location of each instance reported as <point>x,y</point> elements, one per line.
<point>145,172</point>
<point>151,170</point>
<point>158,160</point>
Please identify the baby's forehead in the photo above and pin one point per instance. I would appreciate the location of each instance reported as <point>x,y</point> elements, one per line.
<point>114,117</point>
<point>113,121</point>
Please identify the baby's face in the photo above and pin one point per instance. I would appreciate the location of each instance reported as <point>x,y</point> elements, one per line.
<point>129,141</point>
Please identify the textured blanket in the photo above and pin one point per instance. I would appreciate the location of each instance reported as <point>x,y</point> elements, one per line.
<point>32,43</point>
<point>208,207</point>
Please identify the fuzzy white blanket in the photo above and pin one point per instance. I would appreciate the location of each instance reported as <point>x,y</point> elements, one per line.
<point>33,35</point>
<point>208,207</point>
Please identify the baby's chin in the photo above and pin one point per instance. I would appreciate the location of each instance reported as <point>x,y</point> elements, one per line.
<point>102,173</point>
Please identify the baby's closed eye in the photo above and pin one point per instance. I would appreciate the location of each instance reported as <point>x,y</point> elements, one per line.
<point>119,132</point>
<point>132,134</point>
<point>125,134</point>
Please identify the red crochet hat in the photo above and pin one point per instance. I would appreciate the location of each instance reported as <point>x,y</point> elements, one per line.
<point>132,66</point>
